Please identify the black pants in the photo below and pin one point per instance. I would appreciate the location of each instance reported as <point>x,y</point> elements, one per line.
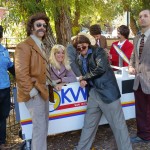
<point>4,112</point>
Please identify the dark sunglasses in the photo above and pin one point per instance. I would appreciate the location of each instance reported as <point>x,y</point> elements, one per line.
<point>40,24</point>
<point>81,48</point>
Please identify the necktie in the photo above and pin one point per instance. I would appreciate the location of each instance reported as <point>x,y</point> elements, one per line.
<point>141,45</point>
<point>48,78</point>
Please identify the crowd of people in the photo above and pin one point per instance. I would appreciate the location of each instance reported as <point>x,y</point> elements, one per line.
<point>86,60</point>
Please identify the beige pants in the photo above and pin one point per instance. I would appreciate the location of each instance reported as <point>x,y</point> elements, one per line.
<point>39,111</point>
<point>114,115</point>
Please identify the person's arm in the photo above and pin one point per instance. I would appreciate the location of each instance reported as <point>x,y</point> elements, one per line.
<point>131,67</point>
<point>10,66</point>
<point>101,65</point>
<point>69,77</point>
<point>113,55</point>
<point>58,87</point>
<point>105,47</point>
<point>22,69</point>
<point>127,51</point>
<point>72,54</point>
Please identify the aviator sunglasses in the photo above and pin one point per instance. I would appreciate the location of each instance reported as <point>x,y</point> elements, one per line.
<point>81,48</point>
<point>40,24</point>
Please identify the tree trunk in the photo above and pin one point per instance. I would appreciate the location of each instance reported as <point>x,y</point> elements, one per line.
<point>133,25</point>
<point>63,26</point>
<point>49,40</point>
<point>75,22</point>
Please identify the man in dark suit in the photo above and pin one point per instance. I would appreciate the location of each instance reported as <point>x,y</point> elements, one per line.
<point>140,67</point>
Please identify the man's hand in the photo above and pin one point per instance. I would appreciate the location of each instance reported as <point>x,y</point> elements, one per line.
<point>59,86</point>
<point>80,78</point>
<point>132,70</point>
<point>83,83</point>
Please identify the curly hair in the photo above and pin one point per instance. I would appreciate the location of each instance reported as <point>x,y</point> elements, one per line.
<point>95,29</point>
<point>81,39</point>
<point>33,18</point>
<point>56,48</point>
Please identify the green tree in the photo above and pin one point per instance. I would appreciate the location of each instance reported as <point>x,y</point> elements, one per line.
<point>134,7</point>
<point>20,11</point>
<point>68,16</point>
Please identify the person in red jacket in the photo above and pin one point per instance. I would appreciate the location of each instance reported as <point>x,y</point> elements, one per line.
<point>123,44</point>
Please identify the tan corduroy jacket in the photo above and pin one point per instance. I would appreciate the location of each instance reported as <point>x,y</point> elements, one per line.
<point>142,66</point>
<point>30,70</point>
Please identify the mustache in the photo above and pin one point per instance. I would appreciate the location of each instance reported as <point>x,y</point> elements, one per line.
<point>41,30</point>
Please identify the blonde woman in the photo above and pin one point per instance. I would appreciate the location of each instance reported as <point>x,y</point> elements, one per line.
<point>60,69</point>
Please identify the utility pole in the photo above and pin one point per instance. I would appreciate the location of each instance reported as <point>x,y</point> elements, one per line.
<point>128,18</point>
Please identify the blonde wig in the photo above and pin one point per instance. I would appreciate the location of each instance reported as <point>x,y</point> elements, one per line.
<point>56,48</point>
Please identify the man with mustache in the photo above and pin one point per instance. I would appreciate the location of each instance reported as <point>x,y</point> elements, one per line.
<point>33,79</point>
<point>124,44</point>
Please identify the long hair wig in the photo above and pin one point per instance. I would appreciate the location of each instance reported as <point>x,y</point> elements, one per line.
<point>32,19</point>
<point>56,48</point>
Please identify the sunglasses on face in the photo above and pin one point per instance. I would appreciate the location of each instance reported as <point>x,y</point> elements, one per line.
<point>81,48</point>
<point>40,24</point>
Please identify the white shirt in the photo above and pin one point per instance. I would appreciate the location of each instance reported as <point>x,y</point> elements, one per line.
<point>37,41</point>
<point>120,44</point>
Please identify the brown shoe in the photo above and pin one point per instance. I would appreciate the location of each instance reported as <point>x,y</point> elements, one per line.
<point>3,147</point>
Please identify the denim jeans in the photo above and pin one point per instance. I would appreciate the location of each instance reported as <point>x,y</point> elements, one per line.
<point>4,112</point>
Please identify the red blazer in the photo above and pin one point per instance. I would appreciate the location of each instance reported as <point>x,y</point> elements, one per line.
<point>127,48</point>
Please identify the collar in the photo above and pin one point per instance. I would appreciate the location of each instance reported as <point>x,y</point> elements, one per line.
<point>147,33</point>
<point>84,57</point>
<point>62,68</point>
<point>37,40</point>
<point>121,43</point>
